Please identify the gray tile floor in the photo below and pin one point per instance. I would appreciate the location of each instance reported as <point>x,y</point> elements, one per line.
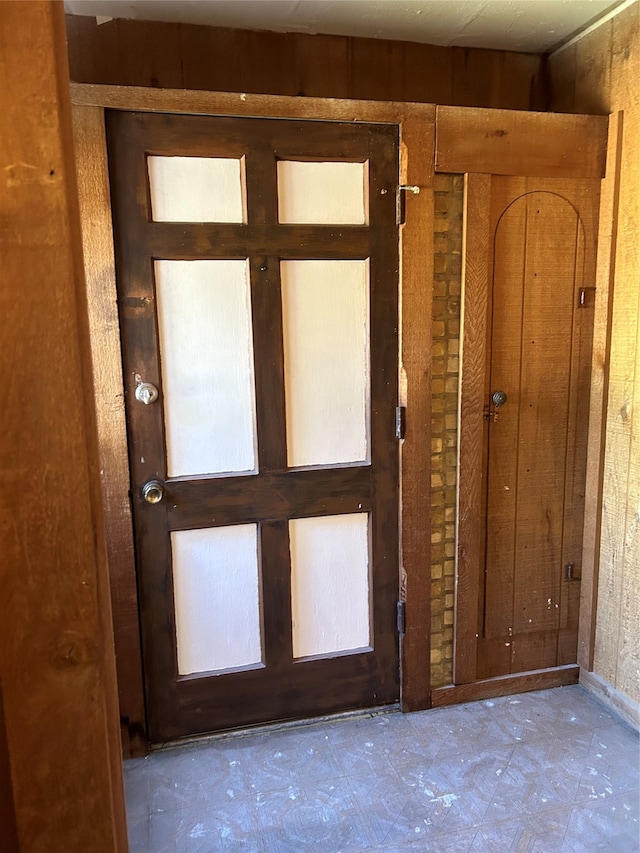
<point>546,771</point>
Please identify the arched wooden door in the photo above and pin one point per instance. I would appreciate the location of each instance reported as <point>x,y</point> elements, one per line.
<point>519,571</point>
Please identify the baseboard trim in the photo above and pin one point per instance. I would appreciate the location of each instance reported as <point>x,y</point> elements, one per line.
<point>618,702</point>
<point>505,685</point>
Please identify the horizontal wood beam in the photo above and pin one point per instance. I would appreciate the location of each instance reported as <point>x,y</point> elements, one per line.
<point>510,142</point>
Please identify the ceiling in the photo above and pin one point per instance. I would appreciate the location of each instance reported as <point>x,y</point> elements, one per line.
<point>532,26</point>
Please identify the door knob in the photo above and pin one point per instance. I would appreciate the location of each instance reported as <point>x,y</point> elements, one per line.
<point>499,398</point>
<point>153,491</point>
<point>146,393</point>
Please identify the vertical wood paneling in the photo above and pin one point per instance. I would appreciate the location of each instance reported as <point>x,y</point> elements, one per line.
<point>56,645</point>
<point>148,53</point>
<point>211,57</point>
<point>428,74</point>
<point>267,63</point>
<point>624,400</point>
<point>604,69</point>
<point>562,76</point>
<point>475,276</point>
<point>322,66</point>
<point>493,78</point>
<point>593,71</point>
<point>93,50</point>
<point>376,70</point>
<point>159,62</point>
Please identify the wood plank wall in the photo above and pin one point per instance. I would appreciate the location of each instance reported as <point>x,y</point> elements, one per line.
<point>56,658</point>
<point>167,55</point>
<point>601,74</point>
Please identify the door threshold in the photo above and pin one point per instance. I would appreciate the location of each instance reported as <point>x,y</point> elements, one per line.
<point>505,685</point>
<point>285,725</point>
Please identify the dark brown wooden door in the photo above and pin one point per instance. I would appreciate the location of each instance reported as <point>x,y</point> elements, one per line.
<point>535,376</point>
<point>257,265</point>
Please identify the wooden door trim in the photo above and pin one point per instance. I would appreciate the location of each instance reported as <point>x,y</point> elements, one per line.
<point>508,142</point>
<point>104,331</point>
<point>416,123</point>
<point>506,685</point>
<point>605,275</point>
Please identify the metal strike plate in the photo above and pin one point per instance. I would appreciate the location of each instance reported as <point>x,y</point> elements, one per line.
<point>146,393</point>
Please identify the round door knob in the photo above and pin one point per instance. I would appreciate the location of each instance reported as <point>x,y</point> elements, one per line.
<point>499,398</point>
<point>153,492</point>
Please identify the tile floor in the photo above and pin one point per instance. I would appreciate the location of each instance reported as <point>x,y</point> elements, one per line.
<point>546,771</point>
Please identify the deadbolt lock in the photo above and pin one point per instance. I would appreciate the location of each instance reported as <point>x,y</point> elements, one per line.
<point>153,491</point>
<point>146,393</point>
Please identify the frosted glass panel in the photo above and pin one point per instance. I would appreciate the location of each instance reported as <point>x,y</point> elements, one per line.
<point>217,598</point>
<point>322,193</point>
<point>195,189</point>
<point>206,350</point>
<point>325,307</point>
<point>329,584</point>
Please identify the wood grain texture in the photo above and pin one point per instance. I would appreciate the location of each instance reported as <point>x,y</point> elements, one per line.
<point>542,252</point>
<point>145,53</point>
<point>104,330</point>
<point>499,142</point>
<point>7,807</point>
<point>417,124</point>
<point>56,645</point>
<point>259,106</point>
<point>494,78</point>
<point>416,315</point>
<point>593,71</point>
<point>603,70</point>
<point>506,685</point>
<point>624,397</point>
<point>472,427</point>
<point>561,68</point>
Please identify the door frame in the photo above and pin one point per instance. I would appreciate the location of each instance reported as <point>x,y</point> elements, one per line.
<point>432,138</point>
<point>482,143</point>
<point>416,123</point>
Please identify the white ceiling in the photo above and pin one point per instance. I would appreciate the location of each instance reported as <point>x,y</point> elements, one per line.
<point>534,26</point>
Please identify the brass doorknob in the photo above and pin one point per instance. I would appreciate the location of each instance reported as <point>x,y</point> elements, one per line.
<point>153,492</point>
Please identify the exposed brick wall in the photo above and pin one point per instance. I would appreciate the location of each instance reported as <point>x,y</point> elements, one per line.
<point>444,421</point>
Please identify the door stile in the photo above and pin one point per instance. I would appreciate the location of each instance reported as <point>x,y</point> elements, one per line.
<point>384,265</point>
<point>471,424</point>
<point>138,324</point>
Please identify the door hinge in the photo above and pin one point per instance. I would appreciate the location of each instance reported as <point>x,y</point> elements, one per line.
<point>401,201</point>
<point>587,297</point>
<point>401,617</point>
<point>569,572</point>
<point>401,422</point>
